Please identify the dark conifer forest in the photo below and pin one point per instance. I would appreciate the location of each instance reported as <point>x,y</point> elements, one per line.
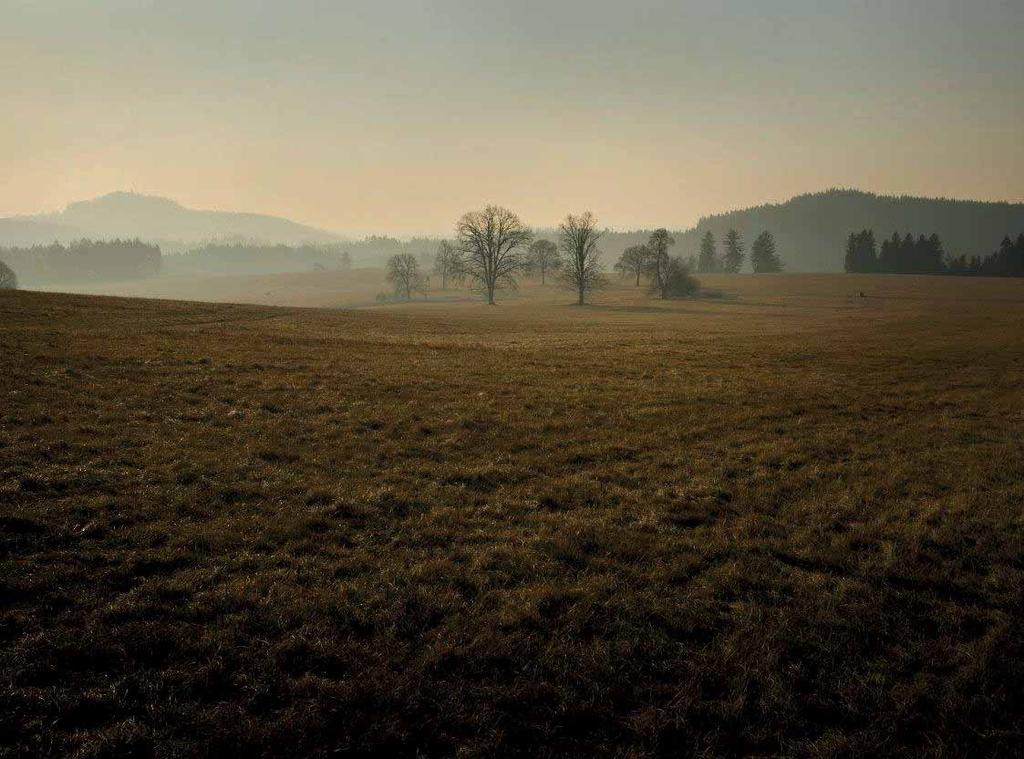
<point>812,229</point>
<point>926,255</point>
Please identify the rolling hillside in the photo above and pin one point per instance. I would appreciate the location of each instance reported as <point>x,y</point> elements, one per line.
<point>811,229</point>
<point>155,219</point>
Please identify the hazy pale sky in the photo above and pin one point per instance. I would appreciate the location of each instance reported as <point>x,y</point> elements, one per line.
<point>398,116</point>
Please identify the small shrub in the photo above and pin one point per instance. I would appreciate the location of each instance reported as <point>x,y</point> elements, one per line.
<point>679,283</point>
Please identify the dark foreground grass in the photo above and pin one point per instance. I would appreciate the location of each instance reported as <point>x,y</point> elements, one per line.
<point>727,529</point>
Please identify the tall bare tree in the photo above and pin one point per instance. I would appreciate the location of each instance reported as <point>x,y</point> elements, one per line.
<point>404,274</point>
<point>581,260</point>
<point>491,242</point>
<point>660,261</point>
<point>542,256</point>
<point>634,261</point>
<point>448,263</point>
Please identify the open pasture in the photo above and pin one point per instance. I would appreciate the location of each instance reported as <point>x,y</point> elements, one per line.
<point>780,519</point>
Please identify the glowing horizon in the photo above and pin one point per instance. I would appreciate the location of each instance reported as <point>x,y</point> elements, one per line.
<point>397,119</point>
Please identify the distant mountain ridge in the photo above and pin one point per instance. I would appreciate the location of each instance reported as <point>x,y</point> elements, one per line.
<point>811,229</point>
<point>153,219</point>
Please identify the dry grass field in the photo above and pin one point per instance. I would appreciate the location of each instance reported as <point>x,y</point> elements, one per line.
<point>785,519</point>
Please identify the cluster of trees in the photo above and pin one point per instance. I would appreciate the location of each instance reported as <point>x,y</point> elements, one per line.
<point>811,229</point>
<point>254,257</point>
<point>492,248</point>
<point>669,275</point>
<point>896,255</point>
<point>102,260</point>
<point>925,255</point>
<point>638,260</point>
<point>1008,261</point>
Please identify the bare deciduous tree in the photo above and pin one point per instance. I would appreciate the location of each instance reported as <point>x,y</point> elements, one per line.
<point>404,274</point>
<point>8,280</point>
<point>634,261</point>
<point>660,261</point>
<point>448,264</point>
<point>543,257</point>
<point>491,241</point>
<point>581,264</point>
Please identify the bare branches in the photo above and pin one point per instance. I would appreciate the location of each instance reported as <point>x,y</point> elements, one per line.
<point>657,246</point>
<point>543,257</point>
<point>448,264</point>
<point>490,241</point>
<point>581,265</point>
<point>634,261</point>
<point>404,274</point>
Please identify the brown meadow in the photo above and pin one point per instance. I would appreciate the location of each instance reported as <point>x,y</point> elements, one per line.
<point>779,519</point>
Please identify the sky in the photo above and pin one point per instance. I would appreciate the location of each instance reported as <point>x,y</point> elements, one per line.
<point>396,117</point>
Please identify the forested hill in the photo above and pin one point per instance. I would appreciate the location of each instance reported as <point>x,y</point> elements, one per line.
<point>811,230</point>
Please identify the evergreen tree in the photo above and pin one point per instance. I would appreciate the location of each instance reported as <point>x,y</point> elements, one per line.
<point>707,261</point>
<point>861,252</point>
<point>907,254</point>
<point>733,259</point>
<point>763,257</point>
<point>924,255</point>
<point>889,254</point>
<point>934,255</point>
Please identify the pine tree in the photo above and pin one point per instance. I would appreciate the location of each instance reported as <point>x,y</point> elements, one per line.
<point>763,257</point>
<point>707,261</point>
<point>733,260</point>
<point>850,262</point>
<point>935,255</point>
<point>861,253</point>
<point>888,256</point>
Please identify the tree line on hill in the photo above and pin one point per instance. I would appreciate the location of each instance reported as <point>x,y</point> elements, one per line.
<point>812,229</point>
<point>82,260</point>
<point>493,248</point>
<point>926,255</point>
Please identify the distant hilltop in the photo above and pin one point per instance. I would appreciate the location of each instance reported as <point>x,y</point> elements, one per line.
<point>811,230</point>
<point>154,219</point>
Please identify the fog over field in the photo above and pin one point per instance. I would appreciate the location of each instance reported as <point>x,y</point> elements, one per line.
<point>542,379</point>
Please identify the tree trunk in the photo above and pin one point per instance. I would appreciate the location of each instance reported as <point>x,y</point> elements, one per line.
<point>638,278</point>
